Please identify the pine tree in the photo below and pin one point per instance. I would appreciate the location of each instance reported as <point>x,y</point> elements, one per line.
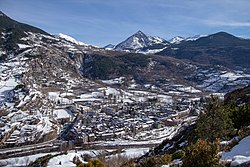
<point>214,122</point>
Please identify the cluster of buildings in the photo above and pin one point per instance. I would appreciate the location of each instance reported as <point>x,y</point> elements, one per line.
<point>110,114</point>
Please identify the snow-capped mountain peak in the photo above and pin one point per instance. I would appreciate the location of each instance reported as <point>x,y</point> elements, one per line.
<point>156,39</point>
<point>179,39</point>
<point>139,40</point>
<point>176,40</point>
<point>136,41</point>
<point>140,33</point>
<point>71,39</point>
<point>194,38</point>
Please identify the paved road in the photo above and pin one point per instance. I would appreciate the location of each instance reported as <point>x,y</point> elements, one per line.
<point>26,147</point>
<point>34,149</point>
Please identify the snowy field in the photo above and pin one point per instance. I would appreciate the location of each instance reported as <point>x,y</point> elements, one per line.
<point>22,161</point>
<point>67,160</point>
<point>239,153</point>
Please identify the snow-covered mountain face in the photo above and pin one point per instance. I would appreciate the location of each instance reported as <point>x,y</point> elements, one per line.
<point>138,41</point>
<point>71,39</point>
<point>194,38</point>
<point>179,39</point>
<point>109,47</point>
<point>32,61</point>
<point>142,43</point>
<point>176,40</point>
<point>156,40</point>
<point>22,95</point>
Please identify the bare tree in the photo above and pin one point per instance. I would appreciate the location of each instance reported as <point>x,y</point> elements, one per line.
<point>27,161</point>
<point>117,160</point>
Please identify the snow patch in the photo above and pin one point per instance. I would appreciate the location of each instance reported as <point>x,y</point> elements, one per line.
<point>239,153</point>
<point>64,160</point>
<point>71,39</point>
<point>23,46</point>
<point>176,40</point>
<point>63,113</point>
<point>237,160</point>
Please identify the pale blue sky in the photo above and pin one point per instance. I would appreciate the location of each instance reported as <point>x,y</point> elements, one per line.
<point>100,22</point>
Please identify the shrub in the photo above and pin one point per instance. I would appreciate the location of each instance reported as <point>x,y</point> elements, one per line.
<point>76,160</point>
<point>86,157</point>
<point>244,132</point>
<point>202,154</point>
<point>240,115</point>
<point>95,163</point>
<point>118,160</point>
<point>149,162</point>
<point>81,165</point>
<point>165,159</point>
<point>155,161</point>
<point>131,163</point>
<point>178,154</point>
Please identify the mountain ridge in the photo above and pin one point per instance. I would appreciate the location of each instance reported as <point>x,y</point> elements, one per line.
<point>12,32</point>
<point>219,49</point>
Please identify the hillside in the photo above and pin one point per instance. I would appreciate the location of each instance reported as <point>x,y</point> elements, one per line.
<point>182,148</point>
<point>221,48</point>
<point>11,33</point>
<point>240,96</point>
<point>218,49</point>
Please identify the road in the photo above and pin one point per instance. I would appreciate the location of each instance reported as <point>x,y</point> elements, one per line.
<point>55,146</point>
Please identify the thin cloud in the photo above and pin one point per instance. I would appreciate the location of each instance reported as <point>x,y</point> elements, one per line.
<point>101,22</point>
<point>229,23</point>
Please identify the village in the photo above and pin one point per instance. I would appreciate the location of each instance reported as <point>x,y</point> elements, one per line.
<point>110,113</point>
<point>100,112</point>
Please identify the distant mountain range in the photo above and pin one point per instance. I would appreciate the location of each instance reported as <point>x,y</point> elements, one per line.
<point>217,49</point>
<point>142,43</point>
<point>145,58</point>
